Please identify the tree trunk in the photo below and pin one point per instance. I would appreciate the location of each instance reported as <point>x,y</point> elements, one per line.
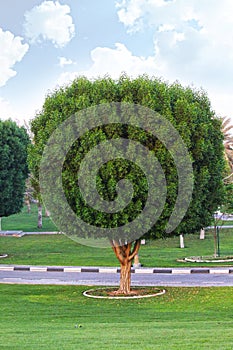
<point>27,202</point>
<point>125,277</point>
<point>39,215</point>
<point>125,254</point>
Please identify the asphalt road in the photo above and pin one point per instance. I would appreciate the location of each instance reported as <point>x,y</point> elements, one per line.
<point>140,279</point>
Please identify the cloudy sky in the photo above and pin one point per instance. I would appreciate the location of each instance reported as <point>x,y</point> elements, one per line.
<point>45,44</point>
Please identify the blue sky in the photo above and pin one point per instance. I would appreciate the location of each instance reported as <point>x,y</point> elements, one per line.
<point>46,44</point>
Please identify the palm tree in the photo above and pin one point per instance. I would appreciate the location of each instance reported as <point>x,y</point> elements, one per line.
<point>34,183</point>
<point>227,130</point>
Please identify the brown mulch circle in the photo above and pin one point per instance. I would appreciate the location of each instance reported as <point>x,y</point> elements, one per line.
<point>135,293</point>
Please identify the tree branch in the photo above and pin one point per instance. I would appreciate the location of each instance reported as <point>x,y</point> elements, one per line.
<point>135,249</point>
<point>118,251</point>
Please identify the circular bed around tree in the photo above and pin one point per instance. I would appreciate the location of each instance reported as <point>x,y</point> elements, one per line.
<point>3,256</point>
<point>207,259</point>
<point>112,293</point>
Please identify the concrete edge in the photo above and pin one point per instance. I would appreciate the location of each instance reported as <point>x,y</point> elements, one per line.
<point>91,269</point>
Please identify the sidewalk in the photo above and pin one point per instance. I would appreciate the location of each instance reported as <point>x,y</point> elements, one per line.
<point>22,233</point>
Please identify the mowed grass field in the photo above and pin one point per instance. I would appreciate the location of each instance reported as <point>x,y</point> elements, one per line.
<point>49,317</point>
<point>26,222</point>
<point>60,250</point>
<point>60,317</point>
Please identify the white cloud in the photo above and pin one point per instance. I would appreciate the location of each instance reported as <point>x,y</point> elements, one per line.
<point>6,110</point>
<point>165,28</point>
<point>12,51</point>
<point>201,38</point>
<point>192,39</point>
<point>189,46</point>
<point>130,15</point>
<point>221,103</point>
<point>21,111</point>
<point>135,13</point>
<point>113,62</point>
<point>63,61</point>
<point>120,59</point>
<point>49,21</point>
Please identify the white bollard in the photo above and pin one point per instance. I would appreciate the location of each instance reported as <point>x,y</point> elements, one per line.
<point>202,234</point>
<point>181,241</point>
<point>136,262</point>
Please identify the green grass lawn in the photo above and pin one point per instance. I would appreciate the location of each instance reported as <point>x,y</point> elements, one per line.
<point>60,250</point>
<point>27,222</point>
<point>48,317</point>
<point>45,317</point>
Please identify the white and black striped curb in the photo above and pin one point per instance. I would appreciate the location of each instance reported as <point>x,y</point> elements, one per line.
<point>116,269</point>
<point>14,233</point>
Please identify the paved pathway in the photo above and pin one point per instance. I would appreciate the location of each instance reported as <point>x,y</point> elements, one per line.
<point>99,269</point>
<point>22,233</point>
<point>76,275</point>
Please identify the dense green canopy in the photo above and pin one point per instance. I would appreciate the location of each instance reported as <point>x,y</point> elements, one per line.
<point>187,109</point>
<point>13,167</point>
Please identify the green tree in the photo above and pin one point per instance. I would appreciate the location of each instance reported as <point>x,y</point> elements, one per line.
<point>14,141</point>
<point>188,110</point>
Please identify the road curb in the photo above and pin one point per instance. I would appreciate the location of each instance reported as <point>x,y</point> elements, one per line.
<point>91,269</point>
